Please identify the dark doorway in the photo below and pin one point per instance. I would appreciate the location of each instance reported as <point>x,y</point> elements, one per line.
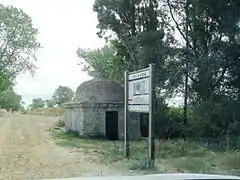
<point>112,125</point>
<point>144,124</point>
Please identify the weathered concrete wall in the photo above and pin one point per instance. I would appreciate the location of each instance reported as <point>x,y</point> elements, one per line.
<point>95,121</point>
<point>74,120</point>
<point>92,121</point>
<point>86,114</point>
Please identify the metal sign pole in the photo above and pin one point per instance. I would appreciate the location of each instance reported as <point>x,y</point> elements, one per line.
<point>126,138</point>
<point>151,136</point>
<point>139,97</point>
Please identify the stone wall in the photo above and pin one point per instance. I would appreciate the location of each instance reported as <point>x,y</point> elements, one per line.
<point>86,114</point>
<point>90,120</point>
<point>74,120</point>
<point>94,122</point>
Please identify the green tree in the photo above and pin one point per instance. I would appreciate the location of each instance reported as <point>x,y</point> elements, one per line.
<point>119,19</point>
<point>10,100</point>
<point>106,62</point>
<point>18,44</point>
<point>212,31</point>
<point>37,103</point>
<point>126,20</point>
<point>62,95</point>
<point>50,103</point>
<point>6,81</point>
<point>143,29</point>
<point>205,65</point>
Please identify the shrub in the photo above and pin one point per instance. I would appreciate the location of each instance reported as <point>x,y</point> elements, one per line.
<point>140,162</point>
<point>170,124</point>
<point>214,118</point>
<point>179,148</point>
<point>231,160</point>
<point>191,164</point>
<point>60,123</point>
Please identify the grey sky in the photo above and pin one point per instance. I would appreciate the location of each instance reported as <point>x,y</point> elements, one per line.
<point>64,26</point>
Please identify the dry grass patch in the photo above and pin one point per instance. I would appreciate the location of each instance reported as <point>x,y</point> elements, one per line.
<point>171,155</point>
<point>48,111</point>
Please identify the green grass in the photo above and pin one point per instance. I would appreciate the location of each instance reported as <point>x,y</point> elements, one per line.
<point>108,151</point>
<point>230,160</point>
<point>192,164</point>
<point>141,162</point>
<point>179,148</point>
<point>171,155</point>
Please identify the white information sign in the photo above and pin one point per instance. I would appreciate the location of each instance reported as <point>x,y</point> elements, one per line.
<point>139,89</point>
<point>138,97</point>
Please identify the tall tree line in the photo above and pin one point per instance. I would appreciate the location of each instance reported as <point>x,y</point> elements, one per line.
<point>194,45</point>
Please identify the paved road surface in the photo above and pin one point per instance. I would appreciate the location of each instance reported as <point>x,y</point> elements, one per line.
<point>28,152</point>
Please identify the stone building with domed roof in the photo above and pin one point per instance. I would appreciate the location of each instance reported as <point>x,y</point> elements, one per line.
<point>97,110</point>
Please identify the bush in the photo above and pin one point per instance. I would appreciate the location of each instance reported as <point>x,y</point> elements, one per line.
<point>60,123</point>
<point>140,162</point>
<point>23,111</point>
<point>170,123</point>
<point>231,160</point>
<point>179,148</point>
<point>214,118</point>
<point>191,164</point>
<point>175,112</point>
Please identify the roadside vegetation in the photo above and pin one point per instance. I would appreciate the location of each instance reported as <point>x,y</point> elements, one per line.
<point>202,68</point>
<point>180,155</point>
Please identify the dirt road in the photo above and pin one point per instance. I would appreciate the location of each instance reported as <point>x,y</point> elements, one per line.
<point>28,152</point>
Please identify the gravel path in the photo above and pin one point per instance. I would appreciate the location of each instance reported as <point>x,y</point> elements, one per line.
<point>28,152</point>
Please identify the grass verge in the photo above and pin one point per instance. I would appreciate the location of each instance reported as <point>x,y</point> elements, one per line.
<point>109,151</point>
<point>171,155</point>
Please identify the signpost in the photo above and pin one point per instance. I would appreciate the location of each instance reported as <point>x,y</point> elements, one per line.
<point>126,139</point>
<point>139,89</point>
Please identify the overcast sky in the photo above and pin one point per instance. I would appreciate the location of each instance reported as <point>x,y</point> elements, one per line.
<point>64,26</point>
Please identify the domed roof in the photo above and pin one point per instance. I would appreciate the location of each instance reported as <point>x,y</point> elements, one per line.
<point>99,91</point>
